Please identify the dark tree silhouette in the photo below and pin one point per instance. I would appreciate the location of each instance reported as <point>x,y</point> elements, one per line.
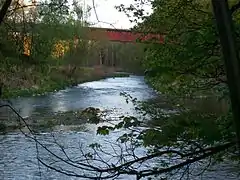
<point>4,9</point>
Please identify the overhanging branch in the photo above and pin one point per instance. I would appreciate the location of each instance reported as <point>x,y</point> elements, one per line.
<point>213,150</point>
<point>4,9</point>
<point>235,7</point>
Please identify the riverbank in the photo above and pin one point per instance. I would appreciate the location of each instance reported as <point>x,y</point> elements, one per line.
<point>203,102</point>
<point>32,81</point>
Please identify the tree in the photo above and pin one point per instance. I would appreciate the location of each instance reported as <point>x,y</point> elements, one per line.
<point>190,60</point>
<point>38,23</point>
<point>31,36</point>
<point>231,57</point>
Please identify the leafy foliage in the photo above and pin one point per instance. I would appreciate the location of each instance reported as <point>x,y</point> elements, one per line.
<point>190,59</point>
<point>189,63</point>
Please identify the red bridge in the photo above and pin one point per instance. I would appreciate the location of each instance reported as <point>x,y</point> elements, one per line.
<point>121,35</point>
<point>107,34</point>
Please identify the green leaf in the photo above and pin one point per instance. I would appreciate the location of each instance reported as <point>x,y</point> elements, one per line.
<point>103,130</point>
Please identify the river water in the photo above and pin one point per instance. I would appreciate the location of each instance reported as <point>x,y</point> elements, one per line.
<point>18,153</point>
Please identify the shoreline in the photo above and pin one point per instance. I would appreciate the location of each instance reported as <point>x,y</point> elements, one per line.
<point>49,87</point>
<point>53,86</point>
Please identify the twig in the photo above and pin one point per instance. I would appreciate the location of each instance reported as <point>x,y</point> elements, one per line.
<point>96,15</point>
<point>235,7</point>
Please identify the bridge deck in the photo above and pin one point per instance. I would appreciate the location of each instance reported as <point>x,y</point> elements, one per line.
<point>123,35</point>
<point>96,33</point>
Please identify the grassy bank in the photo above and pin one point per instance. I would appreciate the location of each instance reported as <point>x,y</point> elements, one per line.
<point>18,81</point>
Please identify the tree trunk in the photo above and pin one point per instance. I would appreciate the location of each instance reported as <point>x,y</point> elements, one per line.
<point>232,64</point>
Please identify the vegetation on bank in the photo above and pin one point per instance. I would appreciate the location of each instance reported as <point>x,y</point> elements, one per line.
<point>31,81</point>
<point>42,52</point>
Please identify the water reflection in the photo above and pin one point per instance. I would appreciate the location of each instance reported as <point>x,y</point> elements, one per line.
<point>59,105</point>
<point>25,107</point>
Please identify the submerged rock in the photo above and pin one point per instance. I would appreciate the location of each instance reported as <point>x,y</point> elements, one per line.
<point>91,110</point>
<point>3,127</point>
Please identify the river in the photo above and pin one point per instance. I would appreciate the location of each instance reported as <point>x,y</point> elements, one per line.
<point>18,153</point>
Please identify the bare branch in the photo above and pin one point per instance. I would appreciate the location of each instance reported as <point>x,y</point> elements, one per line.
<point>235,7</point>
<point>213,151</point>
<point>96,15</point>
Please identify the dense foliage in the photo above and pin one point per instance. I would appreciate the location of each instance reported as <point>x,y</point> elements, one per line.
<point>48,39</point>
<point>190,59</point>
<point>189,63</point>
